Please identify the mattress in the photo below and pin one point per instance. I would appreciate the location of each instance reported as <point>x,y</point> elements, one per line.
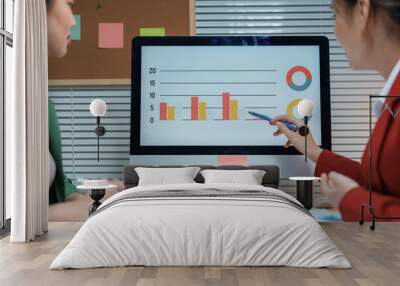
<point>201,225</point>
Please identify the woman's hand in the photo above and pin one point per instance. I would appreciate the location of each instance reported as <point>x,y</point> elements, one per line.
<point>295,138</point>
<point>335,186</point>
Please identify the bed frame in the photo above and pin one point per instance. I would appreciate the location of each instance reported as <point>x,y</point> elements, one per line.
<point>271,177</point>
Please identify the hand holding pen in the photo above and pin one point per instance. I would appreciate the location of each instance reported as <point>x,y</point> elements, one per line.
<point>294,138</point>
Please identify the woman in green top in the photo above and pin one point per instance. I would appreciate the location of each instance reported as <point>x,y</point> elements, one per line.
<point>60,19</point>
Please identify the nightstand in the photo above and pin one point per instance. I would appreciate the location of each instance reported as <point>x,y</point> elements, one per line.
<point>96,193</point>
<point>304,190</point>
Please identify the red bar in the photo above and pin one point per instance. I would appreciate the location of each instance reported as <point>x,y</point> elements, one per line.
<point>163,111</point>
<point>195,108</point>
<point>226,106</point>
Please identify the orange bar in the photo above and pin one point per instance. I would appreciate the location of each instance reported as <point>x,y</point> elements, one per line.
<point>195,108</point>
<point>226,106</point>
<point>163,111</point>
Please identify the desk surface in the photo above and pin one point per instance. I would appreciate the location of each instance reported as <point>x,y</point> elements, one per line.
<point>87,187</point>
<point>304,178</point>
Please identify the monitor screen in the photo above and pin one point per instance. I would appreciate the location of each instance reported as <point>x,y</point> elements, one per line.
<point>197,95</point>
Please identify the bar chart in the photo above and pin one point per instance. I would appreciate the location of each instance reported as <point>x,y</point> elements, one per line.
<point>197,95</point>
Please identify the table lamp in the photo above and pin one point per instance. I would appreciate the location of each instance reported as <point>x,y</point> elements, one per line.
<point>305,109</point>
<point>98,108</point>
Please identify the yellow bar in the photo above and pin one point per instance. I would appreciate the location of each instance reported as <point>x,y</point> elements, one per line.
<point>203,111</point>
<point>234,110</point>
<point>171,113</point>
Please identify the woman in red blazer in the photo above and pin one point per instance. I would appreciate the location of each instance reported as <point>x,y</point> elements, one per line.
<point>369,31</point>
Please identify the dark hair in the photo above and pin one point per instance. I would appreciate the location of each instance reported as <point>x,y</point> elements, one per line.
<point>390,7</point>
<point>48,3</point>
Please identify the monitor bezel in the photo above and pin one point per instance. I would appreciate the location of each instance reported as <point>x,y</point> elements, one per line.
<point>138,42</point>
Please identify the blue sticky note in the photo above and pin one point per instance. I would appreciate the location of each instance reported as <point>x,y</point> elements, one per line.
<point>76,30</point>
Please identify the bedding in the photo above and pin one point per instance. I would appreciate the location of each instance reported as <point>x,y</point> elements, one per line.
<point>201,225</point>
<point>248,177</point>
<point>165,176</point>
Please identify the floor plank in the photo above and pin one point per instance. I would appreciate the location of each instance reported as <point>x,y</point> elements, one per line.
<point>375,257</point>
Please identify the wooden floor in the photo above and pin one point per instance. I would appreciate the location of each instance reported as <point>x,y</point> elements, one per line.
<point>375,257</point>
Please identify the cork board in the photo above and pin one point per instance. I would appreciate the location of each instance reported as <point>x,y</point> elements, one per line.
<point>86,64</point>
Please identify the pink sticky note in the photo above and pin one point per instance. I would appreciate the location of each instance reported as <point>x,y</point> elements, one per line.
<point>225,160</point>
<point>111,35</point>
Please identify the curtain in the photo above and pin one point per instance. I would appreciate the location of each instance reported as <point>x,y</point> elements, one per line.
<point>27,124</point>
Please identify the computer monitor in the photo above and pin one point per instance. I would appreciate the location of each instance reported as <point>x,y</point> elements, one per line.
<point>192,95</point>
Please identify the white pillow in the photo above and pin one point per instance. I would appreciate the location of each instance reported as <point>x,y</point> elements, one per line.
<point>248,177</point>
<point>166,176</point>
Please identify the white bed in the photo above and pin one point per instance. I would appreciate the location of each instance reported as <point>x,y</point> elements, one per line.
<point>200,231</point>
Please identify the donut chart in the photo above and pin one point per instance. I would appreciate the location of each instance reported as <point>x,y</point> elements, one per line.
<point>292,72</point>
<point>291,111</point>
<point>292,105</point>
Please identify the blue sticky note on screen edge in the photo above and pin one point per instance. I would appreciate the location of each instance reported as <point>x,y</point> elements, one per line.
<point>76,30</point>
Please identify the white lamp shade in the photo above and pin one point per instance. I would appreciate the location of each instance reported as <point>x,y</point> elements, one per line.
<point>305,107</point>
<point>378,106</point>
<point>98,107</point>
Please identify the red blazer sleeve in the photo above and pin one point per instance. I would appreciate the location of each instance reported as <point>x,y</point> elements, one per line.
<point>329,161</point>
<point>385,205</point>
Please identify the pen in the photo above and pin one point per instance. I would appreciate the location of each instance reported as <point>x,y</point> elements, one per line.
<point>289,125</point>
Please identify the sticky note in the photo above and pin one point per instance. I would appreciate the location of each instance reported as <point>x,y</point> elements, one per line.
<point>76,30</point>
<point>152,32</point>
<point>111,35</point>
<point>225,160</point>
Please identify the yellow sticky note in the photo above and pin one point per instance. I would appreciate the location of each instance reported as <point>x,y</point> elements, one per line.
<point>152,32</point>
